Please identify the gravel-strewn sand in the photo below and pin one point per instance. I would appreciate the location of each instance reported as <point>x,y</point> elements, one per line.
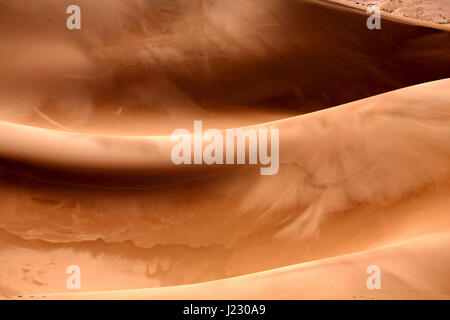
<point>436,11</point>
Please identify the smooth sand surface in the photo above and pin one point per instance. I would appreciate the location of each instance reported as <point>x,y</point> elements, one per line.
<point>365,175</point>
<point>86,176</point>
<point>415,269</point>
<point>159,66</point>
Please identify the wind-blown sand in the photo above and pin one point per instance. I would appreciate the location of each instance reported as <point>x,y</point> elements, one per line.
<point>263,60</point>
<point>352,200</point>
<point>407,272</point>
<point>363,180</point>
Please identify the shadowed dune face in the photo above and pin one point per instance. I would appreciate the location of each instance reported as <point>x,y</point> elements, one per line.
<point>354,178</point>
<point>170,62</point>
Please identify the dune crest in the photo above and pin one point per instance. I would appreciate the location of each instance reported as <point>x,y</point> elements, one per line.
<point>87,178</point>
<point>228,64</point>
<point>395,190</point>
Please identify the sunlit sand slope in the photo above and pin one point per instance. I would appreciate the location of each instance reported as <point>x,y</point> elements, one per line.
<point>416,269</point>
<point>147,67</point>
<point>353,178</point>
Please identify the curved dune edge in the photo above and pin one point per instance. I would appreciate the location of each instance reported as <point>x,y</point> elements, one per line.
<point>216,72</point>
<point>376,169</point>
<point>363,183</point>
<point>414,269</point>
<point>60,148</point>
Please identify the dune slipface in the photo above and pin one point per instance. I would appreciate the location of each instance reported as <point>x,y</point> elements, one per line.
<point>87,174</point>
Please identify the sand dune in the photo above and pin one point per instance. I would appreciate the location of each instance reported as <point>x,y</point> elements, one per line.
<point>164,64</point>
<point>406,266</point>
<point>341,197</point>
<point>86,175</point>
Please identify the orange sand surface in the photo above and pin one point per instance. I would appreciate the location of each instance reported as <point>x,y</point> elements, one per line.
<point>436,11</point>
<point>86,176</point>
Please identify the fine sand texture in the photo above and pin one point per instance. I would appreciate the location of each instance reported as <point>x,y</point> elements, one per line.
<point>355,179</point>
<point>86,176</point>
<point>163,64</point>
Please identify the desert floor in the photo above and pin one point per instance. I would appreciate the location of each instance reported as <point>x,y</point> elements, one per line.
<point>436,11</point>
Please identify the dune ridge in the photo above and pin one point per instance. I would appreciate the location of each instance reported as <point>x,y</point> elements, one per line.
<point>341,277</point>
<point>263,60</point>
<point>86,176</point>
<point>326,204</point>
